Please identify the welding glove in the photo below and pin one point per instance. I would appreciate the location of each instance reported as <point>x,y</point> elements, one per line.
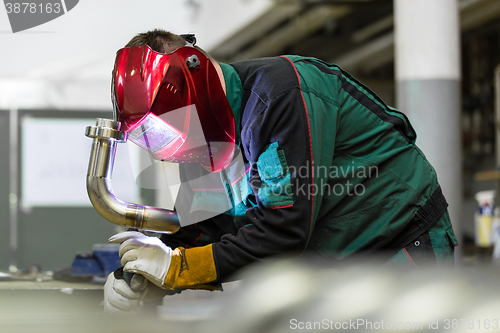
<point>121,299</point>
<point>169,269</point>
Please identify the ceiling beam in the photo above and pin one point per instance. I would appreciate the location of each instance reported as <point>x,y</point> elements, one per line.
<point>373,29</point>
<point>369,56</point>
<point>477,12</point>
<point>298,28</point>
<point>267,22</point>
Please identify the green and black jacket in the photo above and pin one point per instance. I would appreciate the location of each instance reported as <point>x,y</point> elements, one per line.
<point>330,169</point>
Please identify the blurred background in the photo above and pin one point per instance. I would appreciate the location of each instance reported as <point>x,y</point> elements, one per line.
<point>435,60</point>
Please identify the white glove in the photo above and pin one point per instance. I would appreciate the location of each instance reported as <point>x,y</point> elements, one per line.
<point>144,255</point>
<point>120,299</point>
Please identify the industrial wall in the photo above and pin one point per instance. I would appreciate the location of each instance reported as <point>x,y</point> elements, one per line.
<point>48,236</point>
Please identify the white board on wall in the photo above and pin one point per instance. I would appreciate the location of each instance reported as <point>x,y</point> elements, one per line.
<point>54,162</point>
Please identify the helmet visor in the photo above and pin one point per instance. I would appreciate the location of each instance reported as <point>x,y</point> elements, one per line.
<point>153,133</point>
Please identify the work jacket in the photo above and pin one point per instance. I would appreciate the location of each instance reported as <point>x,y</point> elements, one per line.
<point>324,167</point>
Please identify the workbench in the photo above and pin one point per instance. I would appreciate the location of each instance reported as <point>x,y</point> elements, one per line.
<point>28,306</point>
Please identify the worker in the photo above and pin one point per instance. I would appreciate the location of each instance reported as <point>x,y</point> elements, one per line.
<point>323,167</point>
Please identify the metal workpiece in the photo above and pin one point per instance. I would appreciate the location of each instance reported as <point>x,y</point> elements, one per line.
<point>106,129</point>
<point>106,134</point>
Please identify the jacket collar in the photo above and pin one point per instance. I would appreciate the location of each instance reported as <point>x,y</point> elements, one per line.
<point>233,93</point>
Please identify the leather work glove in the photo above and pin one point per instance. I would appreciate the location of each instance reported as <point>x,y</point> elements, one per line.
<point>121,299</point>
<point>169,269</point>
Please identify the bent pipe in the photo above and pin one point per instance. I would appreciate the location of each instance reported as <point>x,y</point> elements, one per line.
<point>102,156</point>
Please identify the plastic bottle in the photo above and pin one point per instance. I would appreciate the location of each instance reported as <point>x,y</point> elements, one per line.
<point>483,218</point>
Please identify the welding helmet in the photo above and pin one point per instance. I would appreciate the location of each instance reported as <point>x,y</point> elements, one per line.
<point>173,105</point>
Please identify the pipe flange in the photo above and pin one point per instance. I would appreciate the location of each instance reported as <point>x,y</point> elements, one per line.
<point>105,133</point>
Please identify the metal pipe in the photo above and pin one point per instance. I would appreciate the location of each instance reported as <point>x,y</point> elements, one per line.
<point>106,135</point>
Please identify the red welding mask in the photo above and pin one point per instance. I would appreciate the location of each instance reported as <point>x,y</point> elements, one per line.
<point>173,105</point>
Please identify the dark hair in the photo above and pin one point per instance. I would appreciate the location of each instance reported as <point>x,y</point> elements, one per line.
<point>159,40</point>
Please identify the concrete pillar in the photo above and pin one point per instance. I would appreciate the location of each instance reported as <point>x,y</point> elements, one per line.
<point>13,187</point>
<point>427,50</point>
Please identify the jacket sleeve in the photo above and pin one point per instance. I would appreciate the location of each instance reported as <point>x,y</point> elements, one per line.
<point>197,234</point>
<point>278,142</point>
